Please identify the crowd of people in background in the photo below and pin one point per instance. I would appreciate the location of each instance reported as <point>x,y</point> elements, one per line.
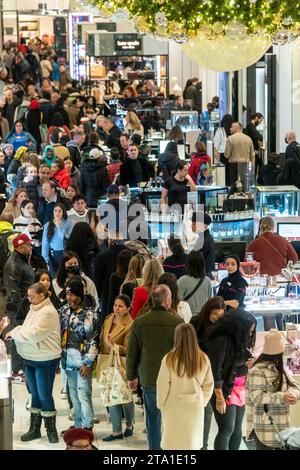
<point>74,291</point>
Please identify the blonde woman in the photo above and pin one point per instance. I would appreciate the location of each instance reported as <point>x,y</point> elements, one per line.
<point>150,275</point>
<point>14,204</point>
<point>134,275</point>
<point>133,125</point>
<point>184,387</point>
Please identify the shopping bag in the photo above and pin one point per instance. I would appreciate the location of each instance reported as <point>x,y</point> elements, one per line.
<point>113,383</point>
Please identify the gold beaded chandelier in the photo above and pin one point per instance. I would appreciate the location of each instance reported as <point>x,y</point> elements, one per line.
<point>221,35</point>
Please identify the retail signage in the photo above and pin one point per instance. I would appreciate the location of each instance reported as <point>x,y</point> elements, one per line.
<point>129,43</point>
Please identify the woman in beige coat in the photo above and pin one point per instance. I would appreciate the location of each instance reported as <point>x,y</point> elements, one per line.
<point>184,387</point>
<point>115,334</point>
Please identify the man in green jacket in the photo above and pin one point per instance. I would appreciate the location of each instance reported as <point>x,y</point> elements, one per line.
<point>151,338</point>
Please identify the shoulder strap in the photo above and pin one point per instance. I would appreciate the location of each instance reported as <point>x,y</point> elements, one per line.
<point>187,297</point>
<point>275,249</point>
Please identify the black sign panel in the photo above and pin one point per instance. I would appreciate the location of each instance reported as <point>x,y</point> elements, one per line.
<point>128,44</point>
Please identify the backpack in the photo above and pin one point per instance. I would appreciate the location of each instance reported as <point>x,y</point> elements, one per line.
<point>4,252</point>
<point>204,177</point>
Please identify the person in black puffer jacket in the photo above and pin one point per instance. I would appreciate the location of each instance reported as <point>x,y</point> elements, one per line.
<point>269,173</point>
<point>94,177</point>
<point>233,287</point>
<point>168,161</point>
<point>229,345</point>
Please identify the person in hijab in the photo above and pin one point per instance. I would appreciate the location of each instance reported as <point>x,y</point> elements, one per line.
<point>233,287</point>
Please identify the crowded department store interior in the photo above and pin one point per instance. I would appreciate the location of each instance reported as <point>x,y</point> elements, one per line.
<point>149,229</point>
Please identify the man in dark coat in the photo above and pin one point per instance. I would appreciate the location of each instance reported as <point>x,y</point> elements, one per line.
<point>18,276</point>
<point>51,196</point>
<point>200,224</point>
<point>105,265</point>
<point>135,169</point>
<point>94,177</point>
<point>256,137</point>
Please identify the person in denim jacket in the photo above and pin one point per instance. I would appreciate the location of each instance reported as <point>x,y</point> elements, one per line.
<point>79,342</point>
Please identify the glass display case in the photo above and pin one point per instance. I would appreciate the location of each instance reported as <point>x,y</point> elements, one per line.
<point>276,201</point>
<point>233,230</point>
<point>161,227</point>
<point>211,196</point>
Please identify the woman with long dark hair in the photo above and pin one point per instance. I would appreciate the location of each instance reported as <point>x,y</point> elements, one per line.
<point>269,385</point>
<point>184,387</point>
<point>195,287</point>
<point>69,267</point>
<point>212,311</point>
<point>230,344</point>
<point>86,251</point>
<point>55,233</point>
<point>117,278</point>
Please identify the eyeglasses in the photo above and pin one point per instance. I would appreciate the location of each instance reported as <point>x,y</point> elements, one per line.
<point>78,447</point>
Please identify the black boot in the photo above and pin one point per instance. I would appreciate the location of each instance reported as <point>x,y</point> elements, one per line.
<point>34,431</point>
<point>50,419</point>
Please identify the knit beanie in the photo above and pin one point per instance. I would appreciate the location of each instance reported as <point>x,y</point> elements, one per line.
<point>33,105</point>
<point>76,287</point>
<point>274,343</point>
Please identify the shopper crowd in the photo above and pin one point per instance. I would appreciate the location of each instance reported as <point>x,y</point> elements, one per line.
<point>76,293</point>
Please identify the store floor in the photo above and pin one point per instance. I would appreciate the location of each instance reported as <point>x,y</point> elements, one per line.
<point>137,441</point>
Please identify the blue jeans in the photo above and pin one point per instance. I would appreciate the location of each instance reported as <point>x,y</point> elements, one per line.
<point>54,260</point>
<point>81,396</point>
<point>40,377</point>
<point>153,418</point>
<point>116,415</point>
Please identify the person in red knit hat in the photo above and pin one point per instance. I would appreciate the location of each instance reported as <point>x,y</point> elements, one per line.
<point>79,439</point>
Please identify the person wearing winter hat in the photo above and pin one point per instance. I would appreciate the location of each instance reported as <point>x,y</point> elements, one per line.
<point>79,439</point>
<point>79,333</point>
<point>94,177</point>
<point>233,287</point>
<point>200,226</point>
<point>269,388</point>
<point>33,120</point>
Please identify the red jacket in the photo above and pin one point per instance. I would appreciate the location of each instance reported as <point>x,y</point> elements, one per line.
<point>197,160</point>
<point>272,260</point>
<point>112,170</point>
<point>140,297</point>
<point>62,178</point>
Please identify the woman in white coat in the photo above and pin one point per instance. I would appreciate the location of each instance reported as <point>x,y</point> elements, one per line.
<point>184,387</point>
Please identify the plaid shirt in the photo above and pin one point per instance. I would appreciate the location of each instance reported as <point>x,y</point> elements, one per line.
<point>113,169</point>
<point>262,381</point>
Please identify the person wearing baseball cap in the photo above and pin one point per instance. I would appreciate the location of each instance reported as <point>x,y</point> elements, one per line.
<point>79,333</point>
<point>269,388</point>
<point>200,226</point>
<point>18,276</point>
<point>79,439</point>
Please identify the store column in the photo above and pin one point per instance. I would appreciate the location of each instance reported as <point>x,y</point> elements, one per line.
<point>284,93</point>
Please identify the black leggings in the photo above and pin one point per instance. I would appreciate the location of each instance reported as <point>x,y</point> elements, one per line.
<point>229,426</point>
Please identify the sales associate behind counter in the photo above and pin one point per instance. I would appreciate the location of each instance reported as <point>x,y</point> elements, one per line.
<point>177,187</point>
